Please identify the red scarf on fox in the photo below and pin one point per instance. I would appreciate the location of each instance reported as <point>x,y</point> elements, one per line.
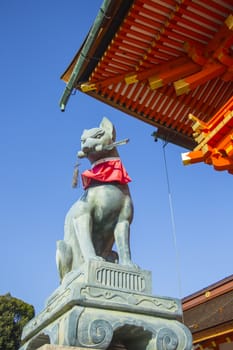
<point>106,170</point>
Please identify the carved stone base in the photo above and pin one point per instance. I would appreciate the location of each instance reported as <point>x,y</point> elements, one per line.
<point>108,306</point>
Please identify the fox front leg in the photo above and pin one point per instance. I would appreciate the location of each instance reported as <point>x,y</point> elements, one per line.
<point>121,233</point>
<point>83,228</point>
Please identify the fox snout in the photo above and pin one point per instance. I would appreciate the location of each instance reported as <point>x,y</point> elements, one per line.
<point>93,148</point>
<point>87,150</point>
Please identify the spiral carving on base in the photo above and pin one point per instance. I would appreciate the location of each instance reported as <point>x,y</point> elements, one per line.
<point>167,339</point>
<point>100,332</point>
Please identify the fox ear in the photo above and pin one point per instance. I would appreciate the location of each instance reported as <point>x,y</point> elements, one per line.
<point>107,125</point>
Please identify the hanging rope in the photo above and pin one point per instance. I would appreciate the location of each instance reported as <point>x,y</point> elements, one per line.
<point>75,176</point>
<point>172,221</point>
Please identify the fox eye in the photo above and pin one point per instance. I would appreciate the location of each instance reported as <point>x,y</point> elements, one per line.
<point>99,134</point>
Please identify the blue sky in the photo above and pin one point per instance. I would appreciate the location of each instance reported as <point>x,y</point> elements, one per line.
<point>38,151</point>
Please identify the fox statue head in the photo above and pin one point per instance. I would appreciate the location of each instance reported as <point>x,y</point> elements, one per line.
<point>96,142</point>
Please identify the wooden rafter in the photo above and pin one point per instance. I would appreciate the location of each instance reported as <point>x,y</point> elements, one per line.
<point>164,60</point>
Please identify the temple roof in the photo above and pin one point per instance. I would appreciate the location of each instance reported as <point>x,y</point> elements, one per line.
<point>158,61</point>
<point>209,314</point>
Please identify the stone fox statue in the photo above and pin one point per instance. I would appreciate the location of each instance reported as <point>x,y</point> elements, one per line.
<point>103,214</point>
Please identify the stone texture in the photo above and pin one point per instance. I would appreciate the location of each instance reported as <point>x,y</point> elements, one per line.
<point>108,306</point>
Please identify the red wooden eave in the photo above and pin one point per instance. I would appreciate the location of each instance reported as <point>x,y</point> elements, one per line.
<point>159,61</point>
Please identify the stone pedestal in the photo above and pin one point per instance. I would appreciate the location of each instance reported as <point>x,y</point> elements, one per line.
<point>108,306</point>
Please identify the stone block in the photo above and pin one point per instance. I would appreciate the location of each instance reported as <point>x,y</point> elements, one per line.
<point>107,306</point>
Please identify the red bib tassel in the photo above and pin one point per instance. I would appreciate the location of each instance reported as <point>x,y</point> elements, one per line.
<point>106,170</point>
